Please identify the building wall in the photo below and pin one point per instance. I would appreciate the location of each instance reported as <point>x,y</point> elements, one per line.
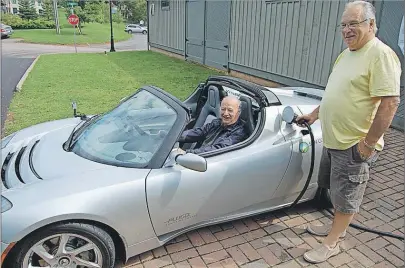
<point>389,17</point>
<point>13,6</point>
<point>167,26</point>
<point>288,41</point>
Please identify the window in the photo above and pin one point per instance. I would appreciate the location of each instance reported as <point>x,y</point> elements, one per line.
<point>165,5</point>
<point>130,135</point>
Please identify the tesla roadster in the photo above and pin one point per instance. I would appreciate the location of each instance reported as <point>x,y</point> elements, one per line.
<point>87,190</point>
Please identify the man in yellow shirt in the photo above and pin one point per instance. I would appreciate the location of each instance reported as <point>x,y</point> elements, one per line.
<point>359,103</point>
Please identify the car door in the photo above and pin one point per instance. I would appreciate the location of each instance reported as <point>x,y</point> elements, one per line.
<point>298,169</point>
<point>236,183</point>
<point>137,29</point>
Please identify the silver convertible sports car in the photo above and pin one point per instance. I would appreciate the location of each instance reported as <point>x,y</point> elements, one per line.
<point>87,191</point>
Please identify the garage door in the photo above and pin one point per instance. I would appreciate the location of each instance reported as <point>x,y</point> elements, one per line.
<point>207,32</point>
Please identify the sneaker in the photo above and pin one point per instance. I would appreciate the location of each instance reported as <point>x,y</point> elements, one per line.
<point>321,253</point>
<point>322,230</point>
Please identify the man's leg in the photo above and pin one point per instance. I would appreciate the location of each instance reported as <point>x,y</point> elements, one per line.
<point>324,175</point>
<point>349,176</point>
<point>340,223</point>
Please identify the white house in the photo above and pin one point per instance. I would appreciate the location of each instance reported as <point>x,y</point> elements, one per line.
<point>12,6</point>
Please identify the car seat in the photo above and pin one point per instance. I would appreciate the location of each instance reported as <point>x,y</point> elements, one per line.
<point>246,115</point>
<point>211,108</point>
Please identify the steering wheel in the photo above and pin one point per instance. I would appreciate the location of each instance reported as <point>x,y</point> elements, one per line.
<point>132,127</point>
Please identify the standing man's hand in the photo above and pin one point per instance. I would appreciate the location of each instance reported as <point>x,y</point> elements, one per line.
<point>309,118</point>
<point>365,149</point>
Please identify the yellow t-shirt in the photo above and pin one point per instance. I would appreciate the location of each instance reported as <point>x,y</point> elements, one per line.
<point>350,100</point>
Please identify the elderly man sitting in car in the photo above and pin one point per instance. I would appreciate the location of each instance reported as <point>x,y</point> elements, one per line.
<point>219,133</point>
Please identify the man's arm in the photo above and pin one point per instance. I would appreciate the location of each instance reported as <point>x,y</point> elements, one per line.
<point>382,119</point>
<point>196,134</point>
<point>235,138</point>
<point>385,74</point>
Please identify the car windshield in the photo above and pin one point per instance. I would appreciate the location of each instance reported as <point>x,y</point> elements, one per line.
<point>130,134</point>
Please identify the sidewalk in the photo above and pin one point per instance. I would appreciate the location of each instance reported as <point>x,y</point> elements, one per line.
<point>279,239</point>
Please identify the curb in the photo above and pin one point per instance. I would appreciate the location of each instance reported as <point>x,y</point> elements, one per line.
<point>22,80</point>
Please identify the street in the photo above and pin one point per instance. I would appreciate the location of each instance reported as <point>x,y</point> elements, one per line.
<point>12,69</point>
<point>17,57</point>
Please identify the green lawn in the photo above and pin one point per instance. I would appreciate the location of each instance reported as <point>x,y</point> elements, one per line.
<point>92,33</point>
<point>96,82</point>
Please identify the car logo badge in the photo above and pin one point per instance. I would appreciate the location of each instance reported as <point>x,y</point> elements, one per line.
<point>303,147</point>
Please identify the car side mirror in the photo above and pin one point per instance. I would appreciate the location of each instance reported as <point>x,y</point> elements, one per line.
<point>192,161</point>
<point>289,115</point>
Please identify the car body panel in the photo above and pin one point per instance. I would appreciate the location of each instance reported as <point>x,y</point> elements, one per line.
<point>106,195</point>
<point>298,170</point>
<point>63,164</point>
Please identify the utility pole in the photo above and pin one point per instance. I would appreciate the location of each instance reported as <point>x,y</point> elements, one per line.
<point>112,49</point>
<point>56,16</point>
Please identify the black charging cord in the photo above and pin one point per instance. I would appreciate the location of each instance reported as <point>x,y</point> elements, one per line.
<point>363,228</point>
<point>311,169</point>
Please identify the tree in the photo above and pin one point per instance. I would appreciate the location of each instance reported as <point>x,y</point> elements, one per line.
<point>47,6</point>
<point>94,11</point>
<point>134,10</point>
<point>27,10</point>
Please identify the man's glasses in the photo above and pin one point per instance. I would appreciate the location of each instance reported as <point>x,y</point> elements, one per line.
<point>351,25</point>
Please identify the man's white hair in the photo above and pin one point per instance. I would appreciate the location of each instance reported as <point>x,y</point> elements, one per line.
<point>368,10</point>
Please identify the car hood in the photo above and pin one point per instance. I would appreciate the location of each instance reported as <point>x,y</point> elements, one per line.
<point>36,153</point>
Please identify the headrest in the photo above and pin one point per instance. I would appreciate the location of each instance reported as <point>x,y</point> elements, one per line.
<point>213,96</point>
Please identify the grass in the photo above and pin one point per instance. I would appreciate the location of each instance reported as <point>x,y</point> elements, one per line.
<point>92,33</point>
<point>97,82</point>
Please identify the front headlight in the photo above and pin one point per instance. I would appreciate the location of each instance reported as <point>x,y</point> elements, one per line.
<point>5,204</point>
<point>6,140</point>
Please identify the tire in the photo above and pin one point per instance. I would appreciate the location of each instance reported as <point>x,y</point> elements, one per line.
<point>129,31</point>
<point>322,199</point>
<point>144,32</point>
<point>82,233</point>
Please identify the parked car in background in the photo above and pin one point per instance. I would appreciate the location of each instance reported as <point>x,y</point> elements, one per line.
<point>136,28</point>
<point>6,31</point>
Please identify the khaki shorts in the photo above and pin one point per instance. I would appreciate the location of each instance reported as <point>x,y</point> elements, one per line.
<point>346,175</point>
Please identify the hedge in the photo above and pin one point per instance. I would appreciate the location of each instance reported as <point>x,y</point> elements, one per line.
<point>16,22</point>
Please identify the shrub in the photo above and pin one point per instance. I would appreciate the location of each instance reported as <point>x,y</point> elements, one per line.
<point>16,22</point>
<point>11,19</point>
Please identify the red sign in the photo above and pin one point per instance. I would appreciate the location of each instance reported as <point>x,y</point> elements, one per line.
<point>73,19</point>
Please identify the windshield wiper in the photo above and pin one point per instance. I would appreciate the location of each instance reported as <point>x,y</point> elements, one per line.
<point>69,143</point>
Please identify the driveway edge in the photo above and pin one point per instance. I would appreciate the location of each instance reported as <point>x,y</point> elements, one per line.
<point>22,80</point>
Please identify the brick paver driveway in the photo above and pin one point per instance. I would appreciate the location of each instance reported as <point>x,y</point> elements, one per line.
<point>279,239</point>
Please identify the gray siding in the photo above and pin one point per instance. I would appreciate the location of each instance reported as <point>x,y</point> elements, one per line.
<point>389,17</point>
<point>167,27</point>
<point>289,41</point>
